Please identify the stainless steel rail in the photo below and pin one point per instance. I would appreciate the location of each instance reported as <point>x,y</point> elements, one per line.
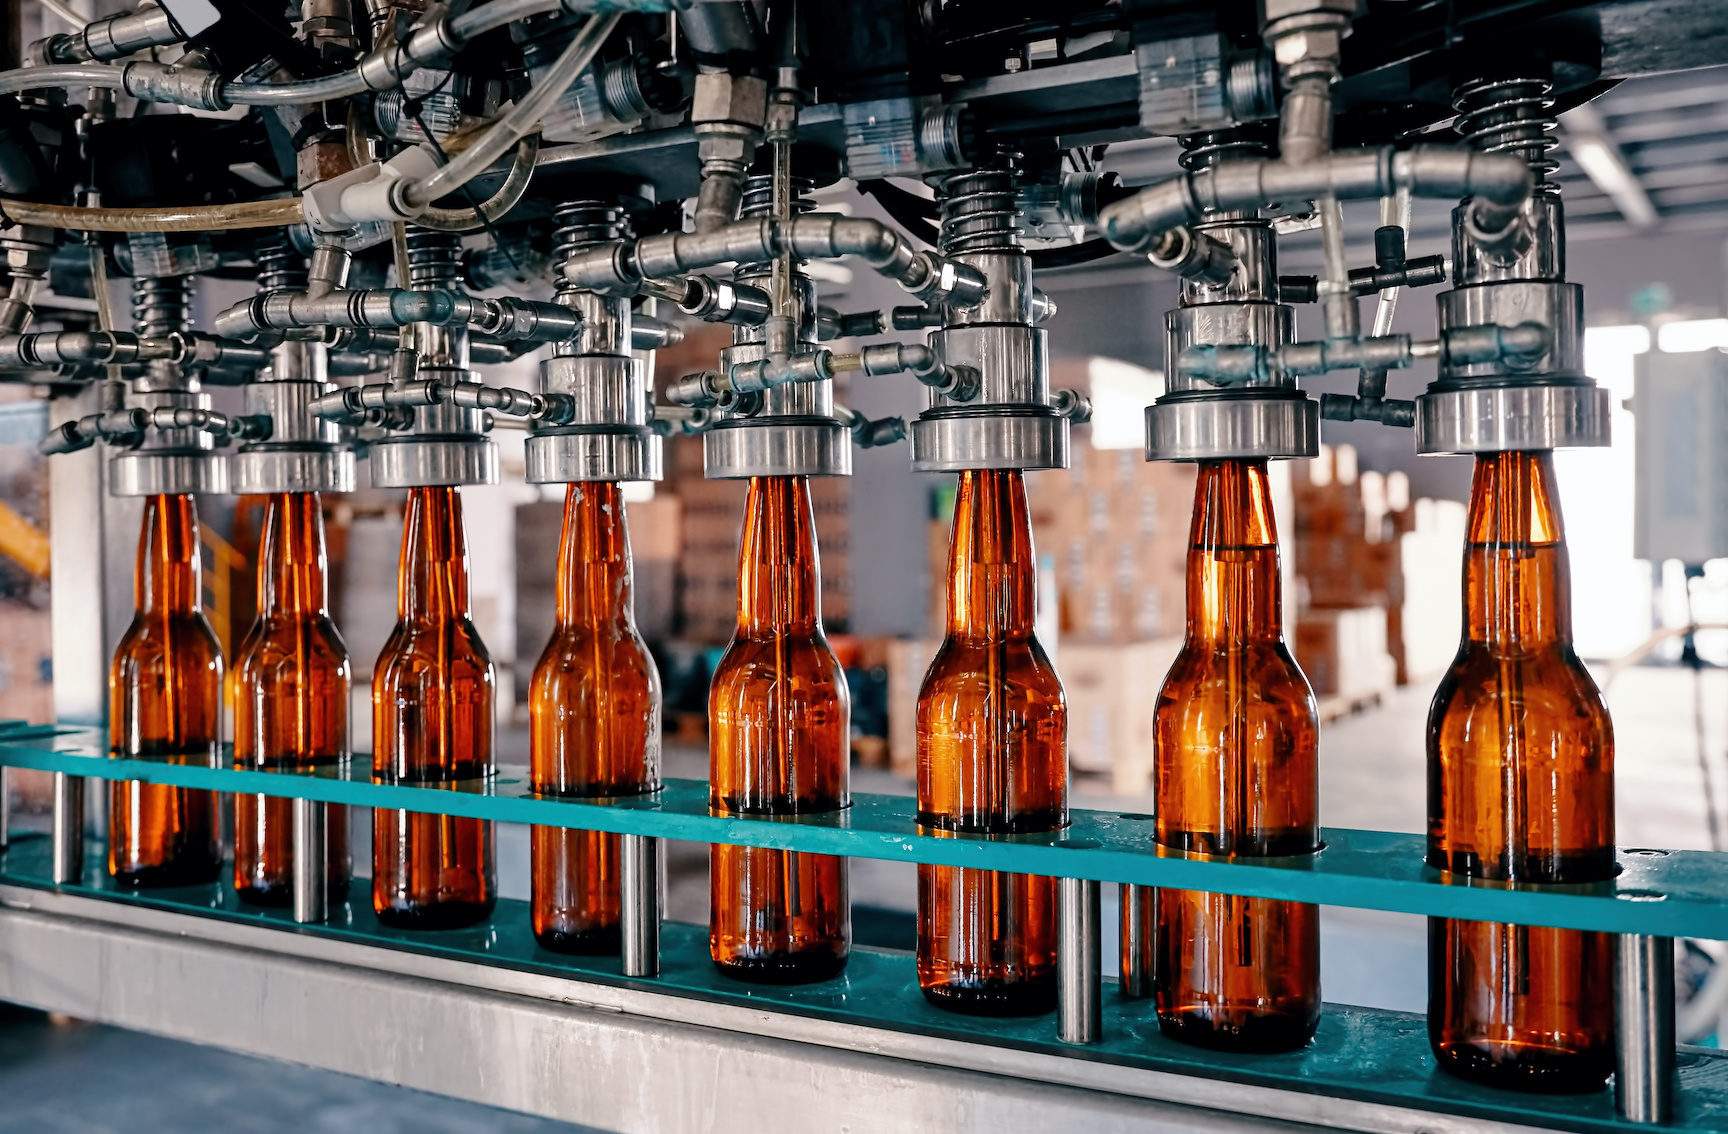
<point>619,1058</point>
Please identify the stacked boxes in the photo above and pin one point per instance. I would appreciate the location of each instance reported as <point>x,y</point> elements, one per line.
<point>1117,527</point>
<point>1377,578</point>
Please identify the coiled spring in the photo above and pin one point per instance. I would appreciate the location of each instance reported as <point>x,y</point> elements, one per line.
<point>1511,116</point>
<point>281,267</point>
<point>758,199</point>
<point>434,259</point>
<point>980,211</point>
<point>582,224</point>
<point>161,305</point>
<point>1202,151</point>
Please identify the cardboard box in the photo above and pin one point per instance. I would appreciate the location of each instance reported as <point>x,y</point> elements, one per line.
<point>1112,693</point>
<point>908,659</point>
<point>1343,652</point>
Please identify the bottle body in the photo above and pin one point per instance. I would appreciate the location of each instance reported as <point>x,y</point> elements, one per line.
<point>1235,773</point>
<point>1520,788</point>
<point>432,723</point>
<point>594,709</point>
<point>292,682</point>
<point>992,759</point>
<point>165,702</point>
<point>778,717</point>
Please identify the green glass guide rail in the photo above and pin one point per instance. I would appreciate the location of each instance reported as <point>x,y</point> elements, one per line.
<point>1361,1054</point>
<point>1657,892</point>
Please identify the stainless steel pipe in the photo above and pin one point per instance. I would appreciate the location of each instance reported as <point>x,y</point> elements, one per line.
<point>639,886</point>
<point>1136,977</point>
<point>311,861</point>
<point>1079,997</point>
<point>1644,1027</point>
<point>68,829</point>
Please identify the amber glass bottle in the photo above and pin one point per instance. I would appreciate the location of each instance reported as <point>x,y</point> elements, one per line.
<point>1520,788</point>
<point>594,709</point>
<point>1236,773</point>
<point>992,759</point>
<point>292,683</point>
<point>165,702</point>
<point>432,722</point>
<point>778,720</point>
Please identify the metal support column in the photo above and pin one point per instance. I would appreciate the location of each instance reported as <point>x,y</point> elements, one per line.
<point>1079,1002</point>
<point>1137,941</point>
<point>639,899</point>
<point>68,829</point>
<point>1644,1027</point>
<point>311,861</point>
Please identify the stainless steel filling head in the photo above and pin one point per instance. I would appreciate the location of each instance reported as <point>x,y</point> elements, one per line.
<point>427,461</point>
<point>266,469</point>
<point>578,453</point>
<point>1510,416</point>
<point>989,437</point>
<point>777,446</point>
<point>167,472</point>
<point>1238,424</point>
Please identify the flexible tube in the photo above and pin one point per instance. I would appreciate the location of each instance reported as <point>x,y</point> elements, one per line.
<point>62,75</point>
<point>278,212</point>
<point>328,88</point>
<point>507,197</point>
<point>519,121</point>
<point>66,14</point>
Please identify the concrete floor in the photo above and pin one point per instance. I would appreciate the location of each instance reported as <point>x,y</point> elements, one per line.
<point>83,1080</point>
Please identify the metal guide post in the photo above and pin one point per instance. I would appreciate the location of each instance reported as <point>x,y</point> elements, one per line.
<point>639,884</point>
<point>1079,1002</point>
<point>1644,1027</point>
<point>311,861</point>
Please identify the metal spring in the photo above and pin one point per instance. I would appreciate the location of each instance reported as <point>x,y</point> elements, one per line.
<point>582,224</point>
<point>1511,116</point>
<point>980,211</point>
<point>758,198</point>
<point>281,267</point>
<point>434,259</point>
<point>161,305</point>
<point>1201,151</point>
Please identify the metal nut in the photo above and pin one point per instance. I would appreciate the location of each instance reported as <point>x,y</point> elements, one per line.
<point>720,97</point>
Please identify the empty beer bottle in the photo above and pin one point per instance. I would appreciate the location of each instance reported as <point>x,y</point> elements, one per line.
<point>594,709</point>
<point>1236,774</point>
<point>778,719</point>
<point>992,760</point>
<point>432,723</point>
<point>165,702</point>
<point>1520,788</point>
<point>292,682</point>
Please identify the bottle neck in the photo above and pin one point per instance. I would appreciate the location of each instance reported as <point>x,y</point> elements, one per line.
<point>593,587</point>
<point>992,575</point>
<point>1234,592</point>
<point>292,560</point>
<point>1517,589</point>
<point>432,577</point>
<point>170,575</point>
<point>779,582</point>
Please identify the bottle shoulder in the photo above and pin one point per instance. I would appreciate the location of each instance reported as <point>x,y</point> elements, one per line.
<point>963,666</point>
<point>1267,665</point>
<point>1550,687</point>
<point>415,646</point>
